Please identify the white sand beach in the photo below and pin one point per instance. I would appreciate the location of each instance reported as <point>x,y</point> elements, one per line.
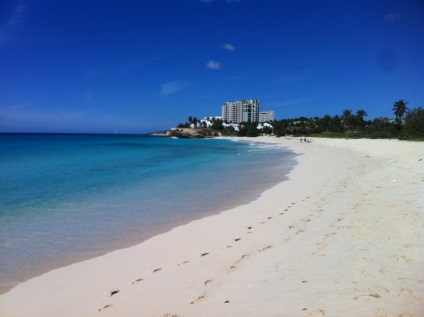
<point>344,236</point>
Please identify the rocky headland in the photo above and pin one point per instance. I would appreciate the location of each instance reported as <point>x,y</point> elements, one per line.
<point>188,133</point>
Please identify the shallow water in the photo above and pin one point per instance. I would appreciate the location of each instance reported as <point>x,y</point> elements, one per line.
<point>65,198</point>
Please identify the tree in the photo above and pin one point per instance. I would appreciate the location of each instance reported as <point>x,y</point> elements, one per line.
<point>267,129</point>
<point>336,125</point>
<point>414,124</point>
<point>347,113</point>
<point>326,120</point>
<point>190,119</point>
<point>400,109</point>
<point>347,116</point>
<point>217,124</point>
<point>360,114</point>
<point>248,129</point>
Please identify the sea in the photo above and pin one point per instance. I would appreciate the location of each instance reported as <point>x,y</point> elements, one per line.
<point>65,198</point>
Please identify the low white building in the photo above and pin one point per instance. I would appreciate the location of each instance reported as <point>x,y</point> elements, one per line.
<point>261,126</point>
<point>235,126</point>
<point>265,116</point>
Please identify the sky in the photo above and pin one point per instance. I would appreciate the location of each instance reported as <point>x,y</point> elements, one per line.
<point>100,66</point>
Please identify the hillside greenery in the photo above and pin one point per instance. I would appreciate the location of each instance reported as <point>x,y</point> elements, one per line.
<point>407,125</point>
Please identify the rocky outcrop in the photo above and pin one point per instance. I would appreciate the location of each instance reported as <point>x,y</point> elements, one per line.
<point>188,133</point>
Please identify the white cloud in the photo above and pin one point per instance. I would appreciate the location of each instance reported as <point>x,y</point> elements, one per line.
<point>172,87</point>
<point>213,65</point>
<point>229,47</point>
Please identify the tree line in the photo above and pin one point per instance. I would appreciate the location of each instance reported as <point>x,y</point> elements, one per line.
<point>407,124</point>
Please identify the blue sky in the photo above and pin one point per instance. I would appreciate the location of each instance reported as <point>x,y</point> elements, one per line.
<point>141,66</point>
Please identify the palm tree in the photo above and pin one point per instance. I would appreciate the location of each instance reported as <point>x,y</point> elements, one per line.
<point>336,124</point>
<point>346,113</point>
<point>347,116</point>
<point>400,108</point>
<point>326,120</point>
<point>360,114</point>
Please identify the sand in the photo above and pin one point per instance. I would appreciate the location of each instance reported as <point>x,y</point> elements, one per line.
<point>343,237</point>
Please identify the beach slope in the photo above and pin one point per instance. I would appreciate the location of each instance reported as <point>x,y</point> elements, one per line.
<point>344,236</point>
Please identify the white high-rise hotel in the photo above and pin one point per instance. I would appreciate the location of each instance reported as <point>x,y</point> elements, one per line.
<point>245,111</point>
<point>241,111</point>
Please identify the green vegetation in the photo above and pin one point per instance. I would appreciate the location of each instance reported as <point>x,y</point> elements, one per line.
<point>414,125</point>
<point>407,125</point>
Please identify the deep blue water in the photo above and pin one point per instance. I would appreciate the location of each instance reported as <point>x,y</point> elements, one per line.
<point>65,198</point>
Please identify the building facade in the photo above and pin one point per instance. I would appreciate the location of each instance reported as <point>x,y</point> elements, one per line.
<point>241,111</point>
<point>266,116</point>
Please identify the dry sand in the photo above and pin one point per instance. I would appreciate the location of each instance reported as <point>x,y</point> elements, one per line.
<point>343,237</point>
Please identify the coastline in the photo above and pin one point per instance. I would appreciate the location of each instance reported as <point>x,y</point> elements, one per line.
<point>146,208</point>
<point>342,237</point>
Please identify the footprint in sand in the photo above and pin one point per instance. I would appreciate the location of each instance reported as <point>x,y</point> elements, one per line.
<point>380,313</point>
<point>105,307</point>
<point>204,254</point>
<point>385,272</point>
<point>368,296</point>
<point>137,281</point>
<point>413,280</point>
<point>114,292</point>
<point>208,282</point>
<point>265,248</point>
<point>321,245</point>
<point>157,270</point>
<point>232,268</point>
<point>317,313</point>
<point>201,298</point>
<point>408,295</point>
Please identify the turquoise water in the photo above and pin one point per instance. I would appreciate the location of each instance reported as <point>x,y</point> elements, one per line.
<point>65,198</point>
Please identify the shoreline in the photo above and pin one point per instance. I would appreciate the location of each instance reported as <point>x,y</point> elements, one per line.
<point>309,246</point>
<point>180,215</point>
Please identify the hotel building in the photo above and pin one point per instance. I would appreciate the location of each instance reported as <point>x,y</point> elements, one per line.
<point>241,111</point>
<point>266,116</point>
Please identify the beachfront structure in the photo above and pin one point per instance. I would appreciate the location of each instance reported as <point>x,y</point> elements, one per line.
<point>241,111</point>
<point>266,116</point>
<point>206,122</point>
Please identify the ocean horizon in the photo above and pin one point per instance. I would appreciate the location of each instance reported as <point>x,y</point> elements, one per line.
<point>71,197</point>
